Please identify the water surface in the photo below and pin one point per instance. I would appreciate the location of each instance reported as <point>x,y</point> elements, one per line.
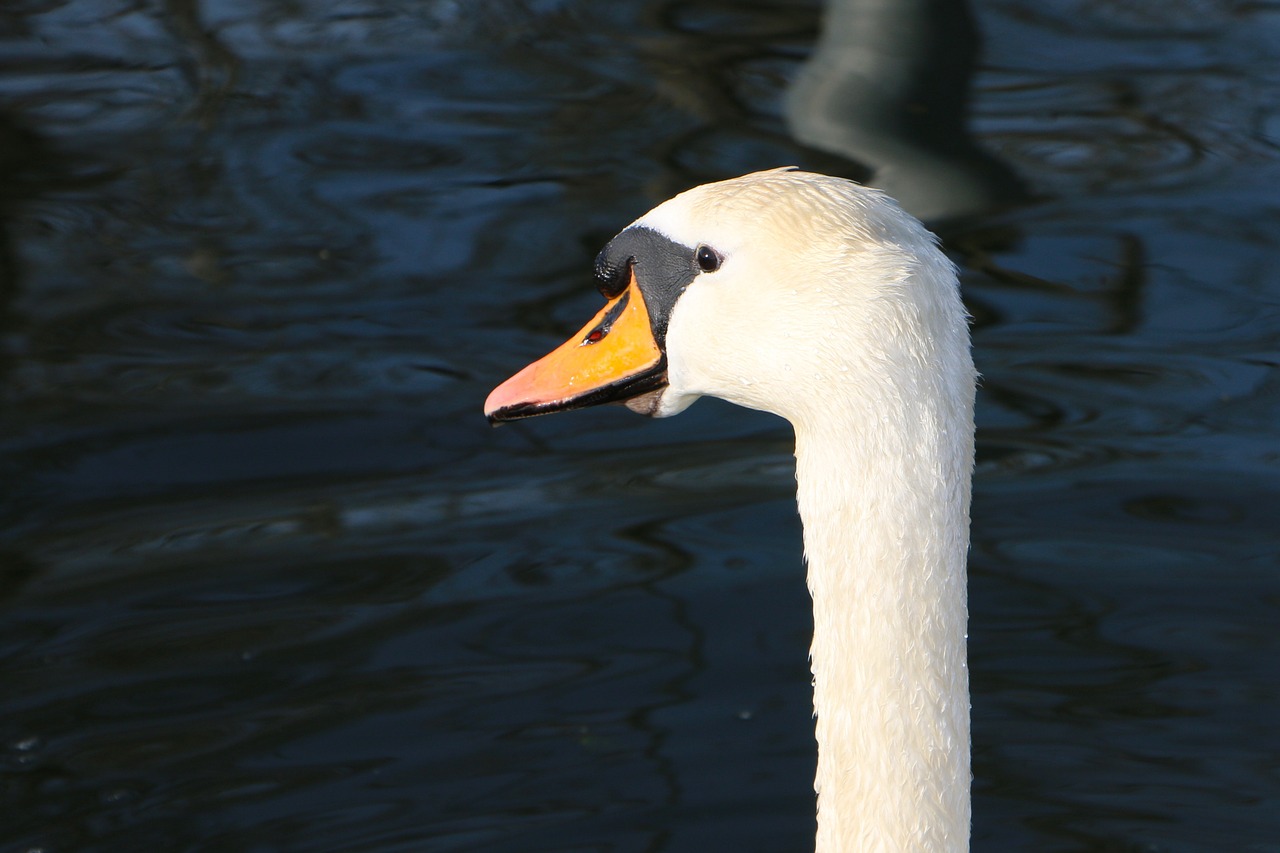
<point>269,582</point>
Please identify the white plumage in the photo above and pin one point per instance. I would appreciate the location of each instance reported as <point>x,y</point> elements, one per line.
<point>823,302</point>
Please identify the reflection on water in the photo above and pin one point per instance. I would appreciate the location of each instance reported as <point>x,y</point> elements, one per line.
<point>888,85</point>
<point>268,580</point>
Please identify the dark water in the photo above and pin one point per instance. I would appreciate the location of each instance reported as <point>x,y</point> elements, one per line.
<point>270,583</point>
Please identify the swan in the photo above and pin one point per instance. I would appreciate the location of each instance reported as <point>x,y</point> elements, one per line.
<point>820,300</point>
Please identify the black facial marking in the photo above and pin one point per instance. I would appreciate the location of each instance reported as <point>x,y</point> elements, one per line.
<point>663,269</point>
<point>612,276</point>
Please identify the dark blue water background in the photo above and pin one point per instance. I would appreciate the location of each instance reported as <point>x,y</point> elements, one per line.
<point>269,582</point>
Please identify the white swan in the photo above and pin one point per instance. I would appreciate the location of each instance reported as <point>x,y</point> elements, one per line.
<point>820,300</point>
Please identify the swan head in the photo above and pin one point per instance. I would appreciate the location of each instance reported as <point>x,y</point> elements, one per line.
<point>761,290</point>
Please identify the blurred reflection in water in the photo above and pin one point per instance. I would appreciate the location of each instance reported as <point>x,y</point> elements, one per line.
<point>270,582</point>
<point>888,85</point>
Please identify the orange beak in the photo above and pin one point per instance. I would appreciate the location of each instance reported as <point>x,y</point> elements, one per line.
<point>613,358</point>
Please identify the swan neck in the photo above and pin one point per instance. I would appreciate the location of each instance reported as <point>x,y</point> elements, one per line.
<point>885,510</point>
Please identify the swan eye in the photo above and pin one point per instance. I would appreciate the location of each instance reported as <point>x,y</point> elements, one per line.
<point>708,259</point>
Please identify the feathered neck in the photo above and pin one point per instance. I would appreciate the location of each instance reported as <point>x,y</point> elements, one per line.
<point>883,473</point>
